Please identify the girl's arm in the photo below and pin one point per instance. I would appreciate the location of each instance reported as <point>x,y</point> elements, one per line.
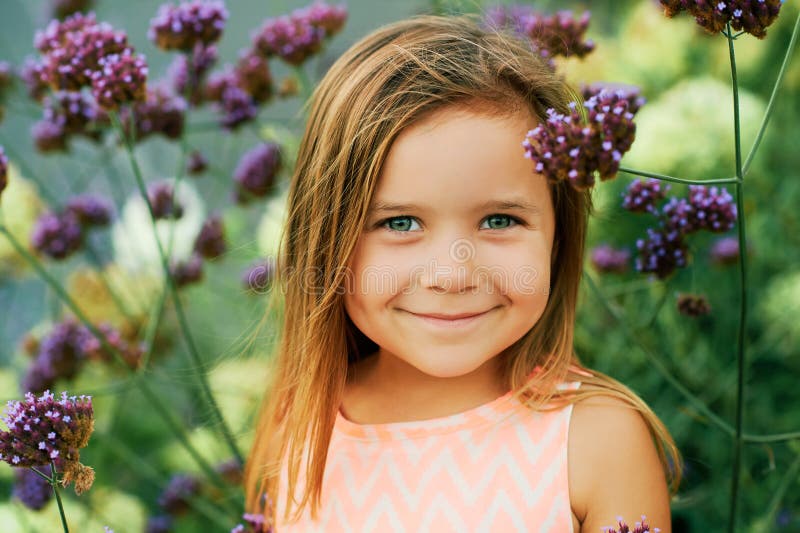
<point>614,469</point>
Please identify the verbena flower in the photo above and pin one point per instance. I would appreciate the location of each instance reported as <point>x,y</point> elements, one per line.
<point>43,429</point>
<point>131,353</point>
<point>693,305</point>
<point>182,26</point>
<point>3,169</point>
<point>708,208</point>
<point>33,491</point>
<point>236,107</point>
<point>566,148</point>
<point>607,259</point>
<point>630,92</point>
<point>120,79</point>
<point>59,355</point>
<point>256,171</point>
<point>74,112</point>
<point>162,200</point>
<point>210,242</point>
<point>638,527</point>
<point>159,524</point>
<point>259,276</point>
<point>661,252</point>
<point>750,16</point>
<point>231,471</point>
<point>188,72</point>
<point>187,271</point>
<point>57,235</point>
<point>330,18</point>
<point>725,251</point>
<point>643,195</point>
<point>196,164</point>
<point>253,523</point>
<point>64,8</point>
<point>253,76</point>
<point>293,39</point>
<point>179,491</point>
<point>161,111</point>
<point>58,33</point>
<point>91,209</point>
<point>32,75</point>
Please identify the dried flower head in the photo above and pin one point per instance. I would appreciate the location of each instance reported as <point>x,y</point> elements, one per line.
<point>120,79</point>
<point>750,16</point>
<point>607,259</point>
<point>253,76</point>
<point>566,148</point>
<point>57,235</point>
<point>210,242</point>
<point>49,136</point>
<point>256,171</point>
<point>44,430</point>
<point>196,164</point>
<point>182,26</point>
<point>693,305</point>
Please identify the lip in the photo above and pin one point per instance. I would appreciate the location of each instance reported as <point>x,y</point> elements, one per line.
<point>451,321</point>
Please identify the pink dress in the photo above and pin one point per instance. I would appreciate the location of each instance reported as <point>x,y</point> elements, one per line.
<point>499,467</point>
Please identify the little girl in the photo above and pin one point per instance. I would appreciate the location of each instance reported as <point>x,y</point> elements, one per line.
<point>425,378</point>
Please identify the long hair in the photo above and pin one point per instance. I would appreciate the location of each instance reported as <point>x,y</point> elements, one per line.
<point>387,81</point>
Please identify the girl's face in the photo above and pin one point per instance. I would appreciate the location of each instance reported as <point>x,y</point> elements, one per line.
<point>459,225</point>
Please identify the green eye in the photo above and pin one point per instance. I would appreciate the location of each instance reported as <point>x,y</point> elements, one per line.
<point>398,224</point>
<point>499,221</point>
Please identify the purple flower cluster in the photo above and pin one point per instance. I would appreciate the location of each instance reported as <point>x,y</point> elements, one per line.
<point>231,471</point>
<point>80,52</point>
<point>131,353</point>
<point>65,8</point>
<point>161,111</point>
<point>643,195</point>
<point>253,523</point>
<point>559,34</point>
<point>257,278</point>
<point>254,77</point>
<point>67,114</point>
<point>236,107</point>
<point>566,148</point>
<point>693,305</point>
<point>256,172</point>
<point>60,234</point>
<point>60,355</point>
<point>664,249</point>
<point>210,242</point>
<point>160,195</point>
<point>725,251</point>
<point>188,271</point>
<point>3,169</point>
<point>32,75</point>
<point>607,259</point>
<point>299,35</point>
<point>44,430</point>
<point>187,73</point>
<point>638,527</point>
<point>629,92</point>
<point>182,26</point>
<point>750,16</point>
<point>178,492</point>
<point>196,164</point>
<point>33,491</point>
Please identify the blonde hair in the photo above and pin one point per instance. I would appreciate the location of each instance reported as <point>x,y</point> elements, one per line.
<point>390,79</point>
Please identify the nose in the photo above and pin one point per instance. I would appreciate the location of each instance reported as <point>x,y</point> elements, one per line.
<point>452,266</point>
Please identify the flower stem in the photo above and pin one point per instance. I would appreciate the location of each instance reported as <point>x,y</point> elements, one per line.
<point>138,379</point>
<point>657,364</point>
<point>740,352</point>
<point>54,484</point>
<point>771,104</point>
<point>664,177</point>
<point>193,352</point>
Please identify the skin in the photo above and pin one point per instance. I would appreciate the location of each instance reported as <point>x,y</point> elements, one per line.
<point>451,254</point>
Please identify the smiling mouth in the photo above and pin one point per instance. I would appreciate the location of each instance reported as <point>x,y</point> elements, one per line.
<point>455,320</point>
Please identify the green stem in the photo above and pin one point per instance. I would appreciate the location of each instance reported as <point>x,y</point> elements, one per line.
<point>656,363</point>
<point>786,482</point>
<point>192,348</point>
<point>138,379</point>
<point>740,352</point>
<point>664,177</point>
<point>771,104</point>
<point>54,484</point>
<point>775,437</point>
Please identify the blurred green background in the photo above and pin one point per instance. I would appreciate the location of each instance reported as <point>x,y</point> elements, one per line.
<point>684,130</point>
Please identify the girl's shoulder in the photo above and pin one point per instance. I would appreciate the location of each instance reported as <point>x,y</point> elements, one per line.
<point>614,465</point>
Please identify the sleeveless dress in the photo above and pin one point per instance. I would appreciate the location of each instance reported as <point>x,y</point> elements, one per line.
<point>499,467</point>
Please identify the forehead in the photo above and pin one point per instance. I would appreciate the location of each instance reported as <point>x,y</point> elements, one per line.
<point>459,157</point>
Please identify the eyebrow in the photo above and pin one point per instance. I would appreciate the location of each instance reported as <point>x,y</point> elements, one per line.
<point>513,204</point>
